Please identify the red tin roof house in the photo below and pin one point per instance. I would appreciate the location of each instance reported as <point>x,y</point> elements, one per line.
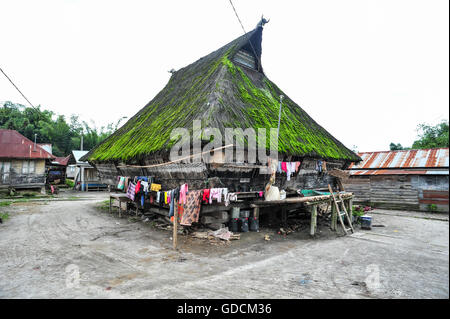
<point>404,179</point>
<point>22,162</point>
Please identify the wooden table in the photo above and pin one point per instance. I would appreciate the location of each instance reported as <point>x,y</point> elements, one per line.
<point>311,202</point>
<point>121,198</point>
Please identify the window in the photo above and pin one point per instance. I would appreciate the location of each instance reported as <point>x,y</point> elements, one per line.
<point>28,167</point>
<point>246,59</point>
<point>4,172</point>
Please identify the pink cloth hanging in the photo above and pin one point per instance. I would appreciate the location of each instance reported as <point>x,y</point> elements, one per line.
<point>183,192</point>
<point>215,193</point>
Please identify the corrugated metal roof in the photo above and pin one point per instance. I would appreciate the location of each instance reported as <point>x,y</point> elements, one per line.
<point>15,145</point>
<point>62,160</point>
<point>407,159</point>
<point>399,172</point>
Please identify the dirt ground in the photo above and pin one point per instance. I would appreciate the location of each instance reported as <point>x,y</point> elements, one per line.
<point>72,249</point>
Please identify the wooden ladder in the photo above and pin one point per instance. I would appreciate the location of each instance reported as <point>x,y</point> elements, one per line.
<point>339,213</point>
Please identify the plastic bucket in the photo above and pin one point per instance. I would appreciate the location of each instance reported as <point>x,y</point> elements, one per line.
<point>366,222</point>
<point>244,224</point>
<point>234,225</point>
<point>254,224</point>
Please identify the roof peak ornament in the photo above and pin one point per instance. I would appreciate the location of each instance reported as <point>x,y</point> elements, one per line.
<point>262,22</point>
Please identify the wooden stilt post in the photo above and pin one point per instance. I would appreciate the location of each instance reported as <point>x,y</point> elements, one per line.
<point>333,217</point>
<point>110,204</point>
<point>175,224</point>
<point>256,212</point>
<point>350,208</point>
<point>313,220</point>
<point>284,216</point>
<point>272,216</point>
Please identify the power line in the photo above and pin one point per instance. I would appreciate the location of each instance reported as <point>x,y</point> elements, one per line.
<point>245,33</point>
<point>18,89</point>
<point>237,16</point>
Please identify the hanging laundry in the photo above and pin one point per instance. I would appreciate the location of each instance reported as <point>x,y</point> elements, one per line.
<point>224,192</point>
<point>297,165</point>
<point>131,191</point>
<point>155,187</point>
<point>172,204</point>
<point>142,201</point>
<point>293,165</point>
<point>144,186</point>
<point>284,166</point>
<point>205,196</point>
<point>279,168</point>
<point>291,169</point>
<point>191,208</point>
<point>230,197</point>
<point>158,195</point>
<point>138,187</point>
<point>319,166</point>
<point>183,193</point>
<point>324,166</point>
<point>288,171</point>
<point>180,212</point>
<point>121,184</point>
<point>176,193</point>
<point>165,197</point>
<point>215,193</point>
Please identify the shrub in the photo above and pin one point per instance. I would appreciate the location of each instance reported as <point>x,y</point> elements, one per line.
<point>70,182</point>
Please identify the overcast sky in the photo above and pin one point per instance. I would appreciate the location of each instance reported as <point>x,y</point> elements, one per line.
<point>368,71</point>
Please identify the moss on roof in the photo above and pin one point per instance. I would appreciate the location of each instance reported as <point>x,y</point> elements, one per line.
<point>221,94</point>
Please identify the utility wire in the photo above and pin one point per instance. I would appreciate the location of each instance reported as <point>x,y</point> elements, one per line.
<point>245,33</point>
<point>18,89</point>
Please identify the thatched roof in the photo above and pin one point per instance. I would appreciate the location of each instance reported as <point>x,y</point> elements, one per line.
<point>221,94</point>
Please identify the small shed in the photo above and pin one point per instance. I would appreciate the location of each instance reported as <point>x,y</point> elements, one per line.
<point>56,171</point>
<point>406,179</point>
<point>86,177</point>
<point>22,162</point>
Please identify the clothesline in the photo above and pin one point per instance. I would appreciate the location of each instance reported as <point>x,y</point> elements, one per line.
<point>178,160</point>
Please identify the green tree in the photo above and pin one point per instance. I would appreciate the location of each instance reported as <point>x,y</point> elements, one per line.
<point>432,136</point>
<point>51,128</point>
<point>396,147</point>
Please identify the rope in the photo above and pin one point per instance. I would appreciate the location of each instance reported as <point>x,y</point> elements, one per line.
<point>175,161</point>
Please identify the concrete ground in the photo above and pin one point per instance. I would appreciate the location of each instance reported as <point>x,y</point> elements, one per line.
<point>72,249</point>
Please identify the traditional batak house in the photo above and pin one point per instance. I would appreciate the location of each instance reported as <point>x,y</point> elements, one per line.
<point>225,89</point>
